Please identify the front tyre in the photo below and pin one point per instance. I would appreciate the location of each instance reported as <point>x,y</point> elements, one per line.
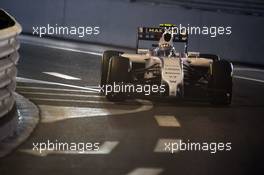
<point>105,64</point>
<point>118,75</point>
<point>220,83</point>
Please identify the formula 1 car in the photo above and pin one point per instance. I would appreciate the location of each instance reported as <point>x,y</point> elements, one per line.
<point>173,73</point>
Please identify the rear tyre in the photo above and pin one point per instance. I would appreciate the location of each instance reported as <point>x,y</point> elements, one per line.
<point>118,74</point>
<point>220,83</point>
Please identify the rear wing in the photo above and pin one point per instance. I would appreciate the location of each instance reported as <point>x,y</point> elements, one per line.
<point>155,33</point>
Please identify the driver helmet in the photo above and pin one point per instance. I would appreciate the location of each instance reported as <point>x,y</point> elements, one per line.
<point>165,44</point>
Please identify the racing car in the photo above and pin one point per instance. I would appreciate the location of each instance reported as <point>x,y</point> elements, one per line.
<point>177,72</point>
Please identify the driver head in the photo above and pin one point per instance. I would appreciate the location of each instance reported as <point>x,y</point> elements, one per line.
<point>165,44</point>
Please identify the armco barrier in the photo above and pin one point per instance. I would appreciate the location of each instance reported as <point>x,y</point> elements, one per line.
<point>9,45</point>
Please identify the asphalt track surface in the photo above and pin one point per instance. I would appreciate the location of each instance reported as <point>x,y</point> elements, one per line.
<point>132,134</point>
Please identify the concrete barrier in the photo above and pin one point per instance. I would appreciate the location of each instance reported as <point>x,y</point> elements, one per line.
<point>9,29</point>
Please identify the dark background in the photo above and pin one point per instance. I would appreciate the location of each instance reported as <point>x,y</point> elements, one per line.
<point>119,19</point>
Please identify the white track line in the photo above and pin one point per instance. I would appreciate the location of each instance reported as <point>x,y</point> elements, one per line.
<point>162,148</point>
<point>73,50</point>
<point>28,80</point>
<point>67,77</point>
<point>50,45</point>
<point>50,113</point>
<point>146,171</point>
<point>54,89</point>
<point>248,69</point>
<point>167,121</point>
<point>95,87</point>
<point>71,101</point>
<point>249,79</point>
<point>106,148</point>
<point>60,94</point>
